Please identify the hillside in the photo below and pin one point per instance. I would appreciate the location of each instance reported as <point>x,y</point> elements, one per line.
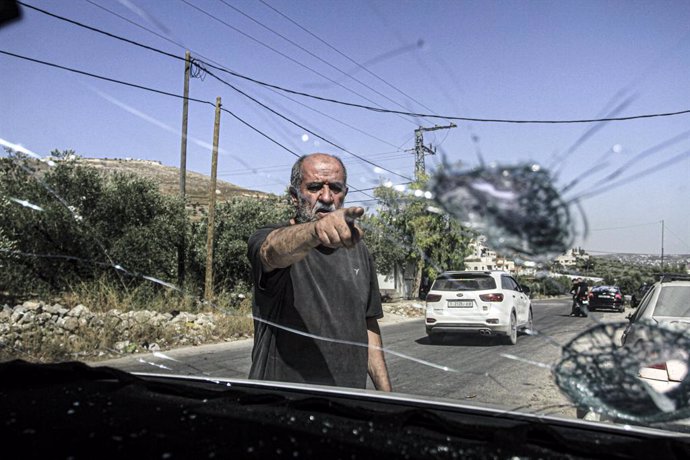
<point>168,178</point>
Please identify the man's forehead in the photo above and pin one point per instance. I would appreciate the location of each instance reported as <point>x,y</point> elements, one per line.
<point>318,166</point>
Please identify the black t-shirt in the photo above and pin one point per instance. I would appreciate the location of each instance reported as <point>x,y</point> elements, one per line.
<point>326,296</point>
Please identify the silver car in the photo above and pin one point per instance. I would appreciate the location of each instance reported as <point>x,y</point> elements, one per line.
<point>665,307</point>
<point>480,302</point>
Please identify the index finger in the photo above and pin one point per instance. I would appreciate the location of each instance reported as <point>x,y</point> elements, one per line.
<point>353,213</point>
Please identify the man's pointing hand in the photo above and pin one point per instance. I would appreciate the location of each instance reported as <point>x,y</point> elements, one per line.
<point>337,229</point>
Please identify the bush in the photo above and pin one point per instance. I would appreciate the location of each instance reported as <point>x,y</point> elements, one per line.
<point>235,221</point>
<point>77,225</point>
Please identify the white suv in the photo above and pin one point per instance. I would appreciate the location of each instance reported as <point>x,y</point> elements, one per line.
<point>480,302</point>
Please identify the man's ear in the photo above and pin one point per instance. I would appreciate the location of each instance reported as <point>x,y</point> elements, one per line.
<point>346,190</point>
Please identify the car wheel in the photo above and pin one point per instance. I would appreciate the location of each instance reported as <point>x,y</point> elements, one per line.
<point>511,337</point>
<point>527,328</point>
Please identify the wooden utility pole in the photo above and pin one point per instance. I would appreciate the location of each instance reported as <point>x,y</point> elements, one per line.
<point>420,149</point>
<point>181,248</point>
<point>208,292</point>
<point>662,246</point>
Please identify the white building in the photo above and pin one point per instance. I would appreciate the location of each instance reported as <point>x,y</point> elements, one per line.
<point>571,257</point>
<point>482,258</point>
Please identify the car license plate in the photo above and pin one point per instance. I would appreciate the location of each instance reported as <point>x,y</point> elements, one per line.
<point>460,303</point>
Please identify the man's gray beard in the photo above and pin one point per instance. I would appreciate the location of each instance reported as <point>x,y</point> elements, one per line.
<point>305,214</point>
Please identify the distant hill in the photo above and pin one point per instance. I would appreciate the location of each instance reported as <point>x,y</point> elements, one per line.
<point>168,179</point>
<point>646,259</point>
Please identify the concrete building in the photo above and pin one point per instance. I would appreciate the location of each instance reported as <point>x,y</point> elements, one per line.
<point>571,257</point>
<point>483,258</point>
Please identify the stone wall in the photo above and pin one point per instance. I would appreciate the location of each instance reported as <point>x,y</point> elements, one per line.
<point>41,331</point>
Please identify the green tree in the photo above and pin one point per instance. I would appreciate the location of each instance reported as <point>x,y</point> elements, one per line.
<point>409,233</point>
<point>235,221</point>
<point>72,224</point>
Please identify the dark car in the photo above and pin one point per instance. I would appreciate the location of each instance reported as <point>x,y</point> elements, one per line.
<point>606,297</point>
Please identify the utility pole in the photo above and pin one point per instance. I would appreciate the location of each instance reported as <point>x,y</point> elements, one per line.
<point>420,149</point>
<point>662,246</point>
<point>181,248</point>
<point>208,292</point>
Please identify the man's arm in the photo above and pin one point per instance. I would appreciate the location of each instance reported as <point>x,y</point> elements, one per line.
<point>288,245</point>
<point>377,363</point>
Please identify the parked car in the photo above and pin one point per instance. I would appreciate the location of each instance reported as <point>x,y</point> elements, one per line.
<point>489,303</point>
<point>606,297</point>
<point>665,310</point>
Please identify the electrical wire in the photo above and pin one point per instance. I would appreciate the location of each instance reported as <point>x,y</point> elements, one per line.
<point>347,74</point>
<point>377,109</point>
<point>452,117</point>
<point>359,65</point>
<point>623,227</point>
<point>301,126</point>
<point>295,61</point>
<point>197,66</point>
<point>100,31</point>
<point>101,77</point>
<point>165,93</point>
<point>207,60</point>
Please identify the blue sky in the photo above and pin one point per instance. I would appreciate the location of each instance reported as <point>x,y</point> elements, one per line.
<point>534,60</point>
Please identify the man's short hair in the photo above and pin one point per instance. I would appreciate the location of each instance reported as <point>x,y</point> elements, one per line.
<point>296,176</point>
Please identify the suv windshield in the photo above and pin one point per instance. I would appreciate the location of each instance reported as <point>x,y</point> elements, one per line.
<point>464,283</point>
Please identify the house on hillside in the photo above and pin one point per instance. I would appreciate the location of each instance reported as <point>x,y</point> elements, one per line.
<point>572,257</point>
<point>483,258</point>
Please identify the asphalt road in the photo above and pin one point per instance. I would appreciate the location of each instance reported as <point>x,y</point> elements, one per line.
<point>472,369</point>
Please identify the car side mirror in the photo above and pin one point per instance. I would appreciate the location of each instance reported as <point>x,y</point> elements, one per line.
<point>525,289</point>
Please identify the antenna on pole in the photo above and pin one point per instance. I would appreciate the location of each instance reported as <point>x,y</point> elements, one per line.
<point>420,149</point>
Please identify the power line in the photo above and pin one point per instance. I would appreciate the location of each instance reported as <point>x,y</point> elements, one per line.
<point>345,55</point>
<point>310,53</point>
<point>623,227</point>
<point>100,31</point>
<point>337,120</point>
<point>370,108</point>
<point>197,65</point>
<point>135,24</point>
<point>381,156</point>
<point>206,61</point>
<point>165,93</point>
<point>101,77</point>
<point>452,117</point>
<point>295,61</point>
<point>145,88</point>
<point>300,126</point>
<point>677,237</point>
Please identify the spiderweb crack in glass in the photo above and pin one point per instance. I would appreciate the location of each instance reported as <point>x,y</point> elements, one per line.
<point>517,208</point>
<point>598,374</point>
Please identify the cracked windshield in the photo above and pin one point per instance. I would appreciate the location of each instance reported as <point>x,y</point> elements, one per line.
<point>484,203</point>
